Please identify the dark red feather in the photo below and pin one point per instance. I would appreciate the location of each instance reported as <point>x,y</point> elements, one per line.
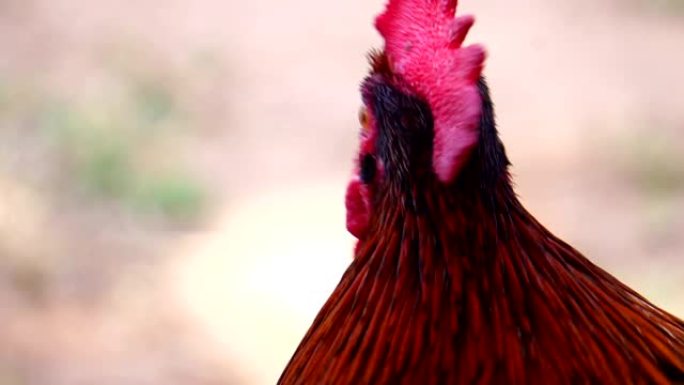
<point>453,281</point>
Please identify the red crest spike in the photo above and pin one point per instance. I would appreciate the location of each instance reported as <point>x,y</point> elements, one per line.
<point>423,44</point>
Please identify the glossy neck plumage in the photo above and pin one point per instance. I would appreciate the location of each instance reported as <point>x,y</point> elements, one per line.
<point>408,190</point>
<point>458,284</point>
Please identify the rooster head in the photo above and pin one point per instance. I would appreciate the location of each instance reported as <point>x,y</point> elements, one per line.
<point>422,105</point>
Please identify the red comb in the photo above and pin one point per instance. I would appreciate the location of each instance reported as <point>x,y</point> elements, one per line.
<point>423,45</point>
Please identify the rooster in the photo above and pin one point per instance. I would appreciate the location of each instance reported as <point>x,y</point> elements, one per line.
<point>453,281</point>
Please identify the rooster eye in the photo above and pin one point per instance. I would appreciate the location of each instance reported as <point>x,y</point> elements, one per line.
<point>367,172</point>
<point>363,118</point>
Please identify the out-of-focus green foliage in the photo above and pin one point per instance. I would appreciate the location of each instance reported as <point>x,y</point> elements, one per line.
<point>653,162</point>
<point>175,196</point>
<point>119,146</point>
<point>154,102</point>
<point>663,6</point>
<point>4,95</point>
<point>670,5</point>
<point>656,164</point>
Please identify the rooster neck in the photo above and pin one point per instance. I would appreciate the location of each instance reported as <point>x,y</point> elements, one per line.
<point>469,288</point>
<point>466,277</point>
<point>459,284</point>
<point>478,203</point>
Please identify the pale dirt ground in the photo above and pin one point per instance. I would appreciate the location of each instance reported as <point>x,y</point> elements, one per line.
<point>586,93</point>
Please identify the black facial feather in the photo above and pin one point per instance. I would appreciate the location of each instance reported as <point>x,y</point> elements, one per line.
<point>405,133</point>
<point>488,161</point>
<point>367,168</point>
<point>404,125</point>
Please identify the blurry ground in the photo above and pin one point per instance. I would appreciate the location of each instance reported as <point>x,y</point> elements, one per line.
<point>172,173</point>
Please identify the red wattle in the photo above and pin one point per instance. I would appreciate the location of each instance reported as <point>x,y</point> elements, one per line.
<point>358,208</point>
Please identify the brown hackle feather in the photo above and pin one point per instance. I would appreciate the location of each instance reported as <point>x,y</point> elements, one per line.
<point>458,284</point>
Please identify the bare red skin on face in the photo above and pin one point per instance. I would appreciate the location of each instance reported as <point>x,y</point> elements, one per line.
<point>423,43</point>
<point>358,208</point>
<point>357,198</point>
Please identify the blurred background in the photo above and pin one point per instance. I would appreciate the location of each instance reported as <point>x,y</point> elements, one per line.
<point>172,173</point>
